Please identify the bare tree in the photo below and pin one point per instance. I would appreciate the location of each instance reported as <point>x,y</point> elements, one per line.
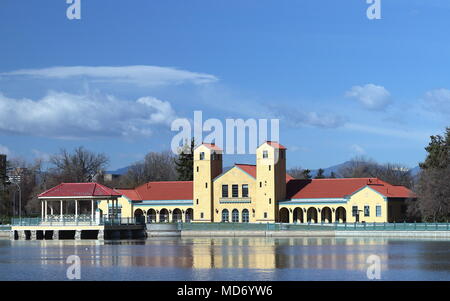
<point>433,191</point>
<point>79,166</point>
<point>296,172</point>
<point>157,166</point>
<point>393,173</point>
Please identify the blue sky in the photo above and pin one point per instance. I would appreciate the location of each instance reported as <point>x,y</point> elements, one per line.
<point>342,85</point>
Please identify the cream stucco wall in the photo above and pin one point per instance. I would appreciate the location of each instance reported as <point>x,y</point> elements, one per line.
<point>239,177</point>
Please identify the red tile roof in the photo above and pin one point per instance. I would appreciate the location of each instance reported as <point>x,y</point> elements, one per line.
<point>339,188</point>
<point>79,190</point>
<point>170,190</point>
<point>131,194</point>
<point>212,146</point>
<point>251,170</point>
<point>275,144</point>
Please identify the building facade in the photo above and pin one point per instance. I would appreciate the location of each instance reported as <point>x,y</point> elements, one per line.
<point>261,193</point>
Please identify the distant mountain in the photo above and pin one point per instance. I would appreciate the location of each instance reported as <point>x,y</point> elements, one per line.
<point>335,168</point>
<point>329,170</point>
<point>120,171</point>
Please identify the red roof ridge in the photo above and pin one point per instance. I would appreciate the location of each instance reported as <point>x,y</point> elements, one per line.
<point>211,146</point>
<point>89,189</point>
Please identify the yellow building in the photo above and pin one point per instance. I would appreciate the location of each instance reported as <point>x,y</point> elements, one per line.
<point>261,193</point>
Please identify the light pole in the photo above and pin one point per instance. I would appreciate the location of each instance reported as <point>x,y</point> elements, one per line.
<point>20,198</point>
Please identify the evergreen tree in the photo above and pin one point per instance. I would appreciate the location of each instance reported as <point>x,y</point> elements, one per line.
<point>433,189</point>
<point>320,174</point>
<point>185,162</point>
<point>438,152</point>
<point>333,175</point>
<point>306,174</point>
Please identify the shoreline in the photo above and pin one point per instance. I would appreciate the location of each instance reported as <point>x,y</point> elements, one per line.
<point>281,234</point>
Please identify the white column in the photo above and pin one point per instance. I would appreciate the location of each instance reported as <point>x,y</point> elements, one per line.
<point>45,209</point>
<point>61,208</point>
<point>92,209</point>
<point>42,209</point>
<point>107,208</point>
<point>76,209</point>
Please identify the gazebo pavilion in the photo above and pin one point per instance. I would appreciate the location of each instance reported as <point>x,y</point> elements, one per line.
<point>77,202</point>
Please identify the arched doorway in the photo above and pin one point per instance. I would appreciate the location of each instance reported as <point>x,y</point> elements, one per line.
<point>298,215</point>
<point>151,216</point>
<point>326,215</point>
<point>225,216</point>
<point>245,216</point>
<point>341,215</point>
<point>163,216</point>
<point>188,215</point>
<point>284,215</point>
<point>235,216</point>
<point>311,215</point>
<point>139,216</point>
<point>177,216</point>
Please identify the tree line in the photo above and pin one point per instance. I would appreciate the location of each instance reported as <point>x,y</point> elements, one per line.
<point>82,166</point>
<point>431,185</point>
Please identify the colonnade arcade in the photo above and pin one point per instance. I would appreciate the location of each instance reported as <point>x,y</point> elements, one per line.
<point>312,215</point>
<point>78,208</point>
<point>164,215</point>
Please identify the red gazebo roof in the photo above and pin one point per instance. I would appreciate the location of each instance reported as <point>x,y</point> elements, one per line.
<point>80,190</point>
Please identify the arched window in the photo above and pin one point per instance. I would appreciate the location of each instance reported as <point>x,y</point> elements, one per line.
<point>225,216</point>
<point>245,216</point>
<point>189,214</point>
<point>235,216</point>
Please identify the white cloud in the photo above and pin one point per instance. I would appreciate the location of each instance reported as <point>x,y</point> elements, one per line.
<point>297,118</point>
<point>140,75</point>
<point>64,115</point>
<point>41,155</point>
<point>372,97</point>
<point>417,135</point>
<point>438,101</point>
<point>357,149</point>
<point>4,150</point>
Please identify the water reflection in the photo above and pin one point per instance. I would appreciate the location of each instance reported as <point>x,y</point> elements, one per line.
<point>264,254</point>
<point>247,253</point>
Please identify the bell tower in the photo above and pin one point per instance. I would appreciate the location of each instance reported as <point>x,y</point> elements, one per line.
<point>207,166</point>
<point>270,180</point>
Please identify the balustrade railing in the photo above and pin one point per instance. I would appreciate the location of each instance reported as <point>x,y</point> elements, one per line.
<point>72,220</point>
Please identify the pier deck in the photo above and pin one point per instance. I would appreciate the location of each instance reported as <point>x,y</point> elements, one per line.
<point>76,228</point>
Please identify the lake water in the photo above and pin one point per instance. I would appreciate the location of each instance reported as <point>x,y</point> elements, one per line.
<point>227,259</point>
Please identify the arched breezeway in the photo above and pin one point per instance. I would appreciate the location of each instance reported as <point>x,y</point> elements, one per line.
<point>139,215</point>
<point>284,215</point>
<point>325,214</point>
<point>188,215</point>
<point>163,216</point>
<point>311,215</point>
<point>341,215</point>
<point>151,216</point>
<point>298,215</point>
<point>177,216</point>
